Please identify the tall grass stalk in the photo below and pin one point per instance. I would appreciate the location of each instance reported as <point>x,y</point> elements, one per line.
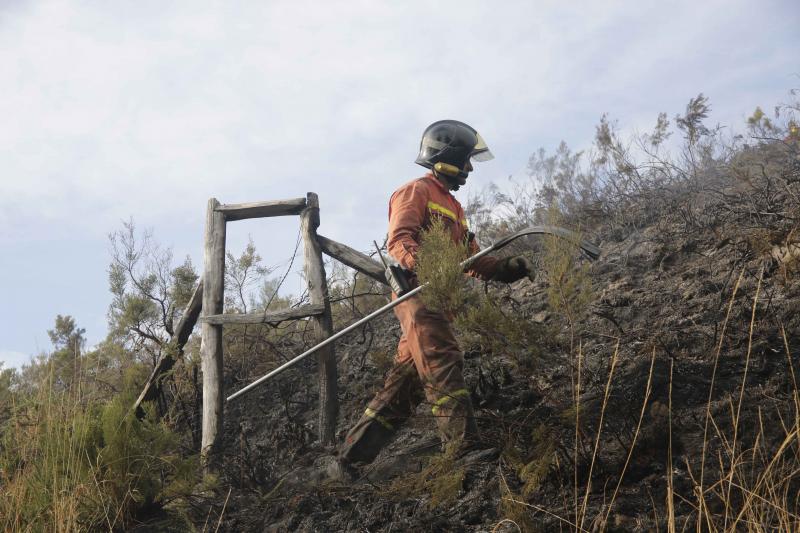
<point>44,449</point>
<point>700,493</point>
<point>647,391</point>
<point>577,395</point>
<point>538,508</point>
<point>670,485</point>
<point>795,394</point>
<point>736,419</point>
<point>757,486</point>
<point>72,462</point>
<point>606,394</point>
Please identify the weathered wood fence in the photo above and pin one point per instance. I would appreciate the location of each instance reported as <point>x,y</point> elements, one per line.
<point>207,304</point>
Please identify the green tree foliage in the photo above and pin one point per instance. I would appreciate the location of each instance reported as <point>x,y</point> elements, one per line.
<point>242,274</point>
<point>66,335</point>
<point>148,291</point>
<point>351,293</point>
<point>484,327</point>
<point>68,340</point>
<point>72,455</point>
<point>184,281</point>
<point>142,461</point>
<point>268,297</point>
<point>8,376</point>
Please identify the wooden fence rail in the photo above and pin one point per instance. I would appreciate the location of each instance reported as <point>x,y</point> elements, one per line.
<point>271,317</point>
<point>206,305</point>
<point>353,258</point>
<point>262,209</point>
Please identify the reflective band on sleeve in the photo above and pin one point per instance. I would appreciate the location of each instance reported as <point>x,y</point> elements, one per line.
<point>385,423</point>
<point>444,399</point>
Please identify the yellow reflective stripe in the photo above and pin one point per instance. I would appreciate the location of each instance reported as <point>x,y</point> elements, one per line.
<point>444,399</point>
<point>433,206</point>
<point>374,415</point>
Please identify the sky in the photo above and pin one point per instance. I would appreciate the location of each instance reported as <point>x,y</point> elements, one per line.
<point>145,110</point>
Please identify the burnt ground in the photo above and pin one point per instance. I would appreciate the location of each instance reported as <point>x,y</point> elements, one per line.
<point>661,292</point>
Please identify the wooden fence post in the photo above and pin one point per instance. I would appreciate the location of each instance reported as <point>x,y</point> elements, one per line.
<point>211,346</point>
<point>323,324</point>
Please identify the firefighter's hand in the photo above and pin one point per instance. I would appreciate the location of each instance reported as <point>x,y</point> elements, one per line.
<point>514,268</point>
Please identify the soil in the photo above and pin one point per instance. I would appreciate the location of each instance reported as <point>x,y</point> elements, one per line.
<point>700,292</point>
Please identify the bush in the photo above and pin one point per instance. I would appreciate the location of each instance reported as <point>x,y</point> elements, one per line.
<point>68,464</point>
<point>439,264</point>
<point>569,290</point>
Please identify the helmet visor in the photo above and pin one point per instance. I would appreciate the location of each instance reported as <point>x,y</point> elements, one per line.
<point>481,152</point>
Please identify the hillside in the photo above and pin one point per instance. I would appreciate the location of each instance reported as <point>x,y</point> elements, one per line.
<point>687,344</point>
<point>648,390</point>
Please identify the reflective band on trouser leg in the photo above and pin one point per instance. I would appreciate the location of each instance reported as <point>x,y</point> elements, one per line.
<point>374,415</point>
<point>444,399</point>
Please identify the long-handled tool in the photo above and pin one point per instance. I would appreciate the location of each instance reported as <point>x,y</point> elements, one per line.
<point>590,250</point>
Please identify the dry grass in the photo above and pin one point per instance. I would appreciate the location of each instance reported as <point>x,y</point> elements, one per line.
<point>45,477</point>
<point>442,480</point>
<point>582,514</point>
<point>648,391</point>
<point>71,463</point>
<point>757,485</point>
<point>752,487</point>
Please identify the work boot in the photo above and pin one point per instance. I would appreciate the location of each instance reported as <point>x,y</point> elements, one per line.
<point>342,471</point>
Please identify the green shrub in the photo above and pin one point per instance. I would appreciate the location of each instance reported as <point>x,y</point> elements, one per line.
<point>569,290</point>
<point>71,464</point>
<point>44,475</point>
<point>442,479</point>
<point>486,328</point>
<point>439,264</point>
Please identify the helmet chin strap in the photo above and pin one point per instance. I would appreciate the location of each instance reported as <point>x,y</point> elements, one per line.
<point>450,174</point>
<point>450,181</point>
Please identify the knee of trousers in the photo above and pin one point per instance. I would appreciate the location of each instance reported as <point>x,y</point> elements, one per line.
<point>436,341</point>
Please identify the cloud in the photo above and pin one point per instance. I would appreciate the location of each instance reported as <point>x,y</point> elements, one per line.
<point>148,109</point>
<point>12,359</point>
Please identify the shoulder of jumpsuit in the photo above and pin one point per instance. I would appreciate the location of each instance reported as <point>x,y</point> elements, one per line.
<point>437,186</point>
<point>412,191</point>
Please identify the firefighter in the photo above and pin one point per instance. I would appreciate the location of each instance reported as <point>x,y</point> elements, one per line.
<point>428,356</point>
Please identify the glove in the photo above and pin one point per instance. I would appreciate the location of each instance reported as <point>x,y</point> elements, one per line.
<point>515,268</point>
<point>397,277</point>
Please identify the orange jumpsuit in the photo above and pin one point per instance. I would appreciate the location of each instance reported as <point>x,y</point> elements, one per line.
<point>428,356</point>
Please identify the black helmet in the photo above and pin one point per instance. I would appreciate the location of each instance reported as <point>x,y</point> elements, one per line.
<point>452,143</point>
